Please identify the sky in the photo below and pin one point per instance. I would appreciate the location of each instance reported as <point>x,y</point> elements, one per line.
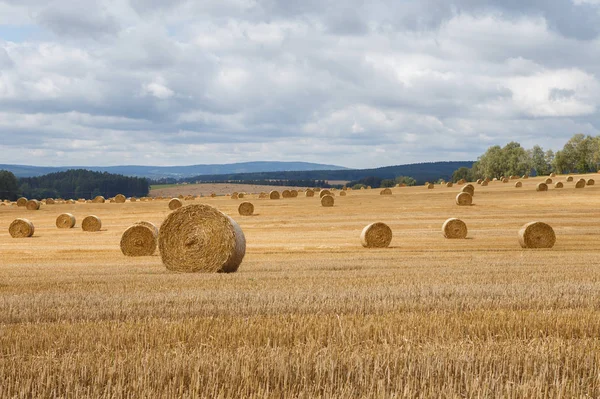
<point>352,83</point>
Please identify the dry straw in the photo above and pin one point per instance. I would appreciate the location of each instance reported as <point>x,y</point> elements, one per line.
<point>175,203</point>
<point>21,228</point>
<point>548,181</point>
<point>322,193</point>
<point>141,239</point>
<point>468,188</point>
<point>22,201</point>
<point>132,199</point>
<point>327,201</point>
<point>317,189</point>
<point>461,181</point>
<point>518,184</point>
<point>541,187</point>
<point>385,191</point>
<point>537,235</point>
<point>525,177</point>
<point>430,186</point>
<point>180,196</point>
<point>590,182</point>
<point>376,235</point>
<point>454,228</point>
<point>342,194</point>
<point>569,179</point>
<point>558,184</point>
<point>580,183</point>
<point>33,205</point>
<point>234,195</point>
<point>99,200</point>
<point>213,195</point>
<point>294,193</point>
<point>274,194</point>
<point>505,180</point>
<point>309,193</point>
<point>65,221</point>
<point>50,201</point>
<point>241,195</point>
<point>263,195</point>
<point>199,238</point>
<point>552,174</point>
<point>286,194</point>
<point>91,223</point>
<point>246,209</point>
<point>479,181</point>
<point>464,199</point>
<point>449,184</point>
<point>120,198</point>
<point>485,183</point>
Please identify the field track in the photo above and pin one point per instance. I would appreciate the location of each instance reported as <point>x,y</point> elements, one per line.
<point>311,313</point>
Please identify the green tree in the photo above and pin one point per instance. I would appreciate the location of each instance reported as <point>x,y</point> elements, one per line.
<point>538,161</point>
<point>9,186</point>
<point>462,173</point>
<point>387,183</point>
<point>406,180</point>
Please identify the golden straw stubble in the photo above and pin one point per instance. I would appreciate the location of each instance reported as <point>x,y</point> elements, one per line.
<point>464,199</point>
<point>21,228</point>
<point>376,235</point>
<point>175,203</point>
<point>327,201</point>
<point>91,223</point>
<point>537,235</point>
<point>139,240</point>
<point>454,228</point>
<point>65,221</point>
<point>246,209</point>
<point>200,238</point>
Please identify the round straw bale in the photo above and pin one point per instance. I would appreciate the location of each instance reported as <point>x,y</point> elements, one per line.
<point>464,199</point>
<point>369,187</point>
<point>150,225</point>
<point>33,205</point>
<point>21,228</point>
<point>569,179</point>
<point>324,192</point>
<point>175,203</point>
<point>461,181</point>
<point>65,221</point>
<point>317,189</point>
<point>454,228</point>
<point>274,194</point>
<point>430,186</point>
<point>180,196</point>
<point>468,188</point>
<point>479,181</point>
<point>449,184</point>
<point>309,193</point>
<point>505,180</point>
<point>525,177</point>
<point>241,195</point>
<point>199,238</point>
<point>263,195</point>
<point>484,183</point>
<point>385,191</point>
<point>342,193</point>
<point>50,201</point>
<point>541,187</point>
<point>91,223</point>
<point>580,183</point>
<point>327,201</point>
<point>558,184</point>
<point>99,200</point>
<point>286,194</point>
<point>139,240</point>
<point>22,201</point>
<point>590,182</point>
<point>246,209</point>
<point>213,195</point>
<point>294,193</point>
<point>376,235</point>
<point>548,181</point>
<point>537,235</point>
<point>362,188</point>
<point>234,195</point>
<point>552,174</point>
<point>120,198</point>
<point>186,198</point>
<point>518,184</point>
<point>132,199</point>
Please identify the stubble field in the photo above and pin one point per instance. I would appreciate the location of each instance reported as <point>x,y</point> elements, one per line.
<point>311,313</point>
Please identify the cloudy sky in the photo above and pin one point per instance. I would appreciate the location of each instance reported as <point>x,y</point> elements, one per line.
<point>354,83</point>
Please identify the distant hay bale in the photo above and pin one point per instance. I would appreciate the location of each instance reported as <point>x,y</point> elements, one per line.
<point>327,201</point>
<point>430,186</point>
<point>558,184</point>
<point>449,184</point>
<point>132,199</point>
<point>241,195</point>
<point>322,193</point>
<point>454,228</point>
<point>495,179</point>
<point>180,196</point>
<point>139,240</point>
<point>213,195</point>
<point>186,198</point>
<point>50,201</point>
<point>376,235</point>
<point>484,183</point>
<point>552,174</point>
<point>537,235</point>
<point>246,209</point>
<point>309,193</point>
<point>461,181</point>
<point>200,238</point>
<point>234,195</point>
<point>580,183</point>
<point>362,188</point>
<point>274,194</point>
<point>33,205</point>
<point>21,228</point>
<point>518,184</point>
<point>65,221</point>
<point>369,187</point>
<point>505,180</point>
<point>590,182</point>
<point>342,193</point>
<point>541,187</point>
<point>464,199</point>
<point>514,177</point>
<point>548,181</point>
<point>91,223</point>
<point>286,194</point>
<point>569,179</point>
<point>99,200</point>
<point>468,188</point>
<point>175,203</point>
<point>120,199</point>
<point>385,191</point>
<point>479,181</point>
<point>525,177</point>
<point>263,195</point>
<point>22,201</point>
<point>294,193</point>
<point>317,189</point>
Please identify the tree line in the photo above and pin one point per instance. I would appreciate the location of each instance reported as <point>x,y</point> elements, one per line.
<point>74,183</point>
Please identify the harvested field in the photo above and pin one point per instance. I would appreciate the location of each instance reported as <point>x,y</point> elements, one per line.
<point>310,312</point>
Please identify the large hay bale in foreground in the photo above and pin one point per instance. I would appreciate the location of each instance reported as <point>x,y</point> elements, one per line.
<point>376,235</point>
<point>21,228</point>
<point>541,187</point>
<point>65,221</point>
<point>274,194</point>
<point>309,193</point>
<point>91,223</point>
<point>33,205</point>
<point>327,201</point>
<point>120,199</point>
<point>464,199</point>
<point>385,191</point>
<point>322,193</point>
<point>518,184</point>
<point>22,201</point>
<point>558,184</point>
<point>175,203</point>
<point>580,183</point>
<point>246,209</point>
<point>569,179</point>
<point>537,235</point>
<point>468,188</point>
<point>454,228</point>
<point>590,182</point>
<point>139,240</point>
<point>200,238</point>
<point>99,200</point>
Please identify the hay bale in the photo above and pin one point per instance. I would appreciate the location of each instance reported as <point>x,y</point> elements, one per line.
<point>234,195</point>
<point>580,183</point>
<point>468,188</point>
<point>33,205</point>
<point>518,184</point>
<point>525,177</point>
<point>495,179</point>
<point>464,199</point>
<point>21,228</point>
<point>317,189</point>
<point>175,203</point>
<point>200,238</point>
<point>309,193</point>
<point>22,201</point>
<point>213,195</point>
<point>246,209</point>
<point>376,235</point>
<point>461,181</point>
<point>139,240</point>
<point>541,187</point>
<point>120,199</point>
<point>449,184</point>
<point>590,182</point>
<point>263,195</point>
<point>180,196</point>
<point>479,181</point>
<point>558,184</point>
<point>99,200</point>
<point>132,199</point>
<point>342,193</point>
<point>294,193</point>
<point>505,180</point>
<point>552,174</point>
<point>91,223</point>
<point>322,193</point>
<point>430,186</point>
<point>385,191</point>
<point>537,235</point>
<point>484,183</point>
<point>65,221</point>
<point>50,201</point>
<point>274,195</point>
<point>569,179</point>
<point>327,201</point>
<point>548,181</point>
<point>241,195</point>
<point>286,194</point>
<point>454,228</point>
<point>150,225</point>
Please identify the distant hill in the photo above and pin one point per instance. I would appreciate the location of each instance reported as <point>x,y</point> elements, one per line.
<point>176,172</point>
<point>422,172</point>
